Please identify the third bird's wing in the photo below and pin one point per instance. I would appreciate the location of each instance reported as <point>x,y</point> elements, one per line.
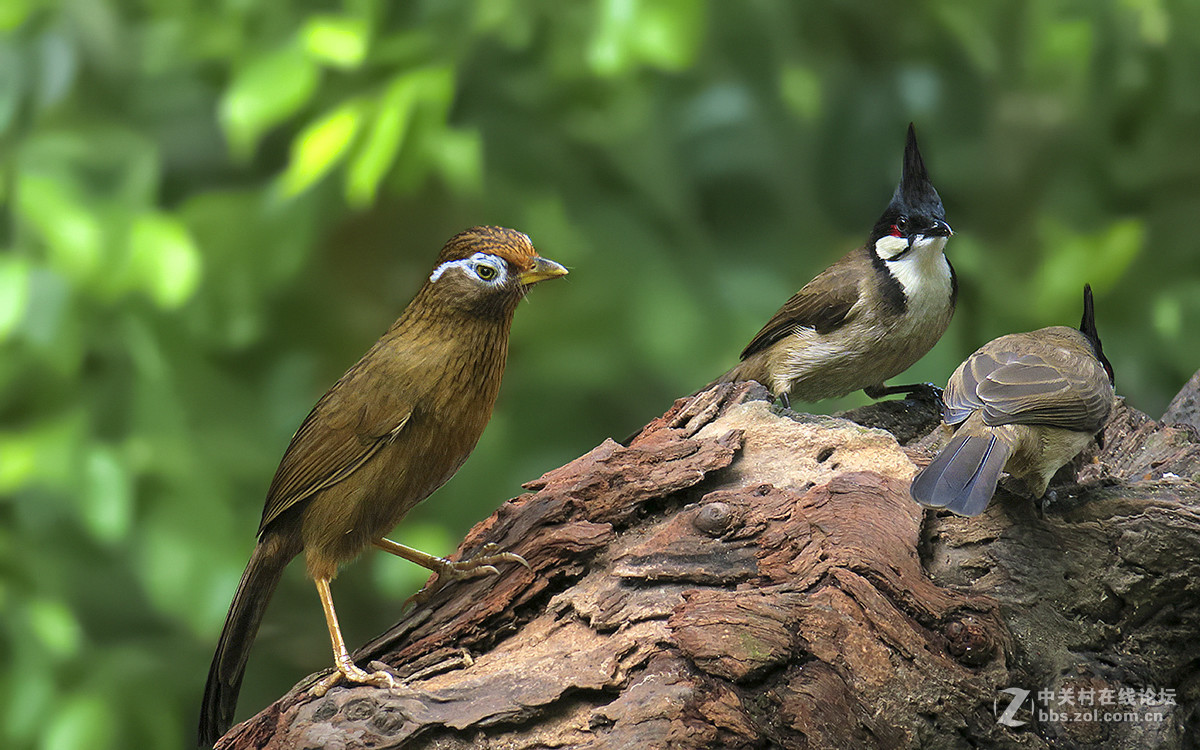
<point>1014,385</point>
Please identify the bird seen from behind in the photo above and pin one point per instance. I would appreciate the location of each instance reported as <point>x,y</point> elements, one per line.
<point>1025,403</point>
<point>870,315</point>
<point>393,429</point>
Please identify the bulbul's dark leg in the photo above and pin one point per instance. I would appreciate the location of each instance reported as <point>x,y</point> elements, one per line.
<point>924,391</point>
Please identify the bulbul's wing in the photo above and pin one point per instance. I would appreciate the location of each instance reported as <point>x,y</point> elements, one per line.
<point>336,438</point>
<point>1017,380</point>
<point>823,304</point>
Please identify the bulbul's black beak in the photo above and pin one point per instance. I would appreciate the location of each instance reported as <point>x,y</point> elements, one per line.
<point>938,228</point>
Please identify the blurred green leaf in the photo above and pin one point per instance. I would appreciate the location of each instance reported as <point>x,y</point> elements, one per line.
<point>458,154</point>
<point>83,722</point>
<point>265,92</point>
<point>164,259</point>
<point>321,145</point>
<point>107,507</point>
<point>12,80</point>
<point>45,454</point>
<point>13,13</point>
<point>662,33</point>
<point>1072,259</point>
<point>14,293</point>
<point>54,625</point>
<point>668,32</point>
<point>74,235</point>
<point>340,41</point>
<point>801,91</point>
<point>383,139</point>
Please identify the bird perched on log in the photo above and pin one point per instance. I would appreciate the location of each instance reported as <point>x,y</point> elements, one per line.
<point>1025,403</point>
<point>869,316</point>
<point>393,429</point>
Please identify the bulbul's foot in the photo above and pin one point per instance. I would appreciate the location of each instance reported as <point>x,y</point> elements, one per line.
<point>920,391</point>
<point>347,671</point>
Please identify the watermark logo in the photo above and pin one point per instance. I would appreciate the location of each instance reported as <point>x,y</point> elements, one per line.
<point>1016,697</point>
<point>1083,704</point>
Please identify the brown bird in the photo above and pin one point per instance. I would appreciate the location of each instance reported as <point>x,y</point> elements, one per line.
<point>1025,403</point>
<point>869,316</point>
<point>393,429</point>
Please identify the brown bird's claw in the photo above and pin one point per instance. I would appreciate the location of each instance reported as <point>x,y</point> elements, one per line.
<point>482,563</point>
<point>348,671</point>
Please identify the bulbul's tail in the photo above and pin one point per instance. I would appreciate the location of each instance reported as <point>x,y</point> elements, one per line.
<point>962,478</point>
<point>740,371</point>
<point>258,582</point>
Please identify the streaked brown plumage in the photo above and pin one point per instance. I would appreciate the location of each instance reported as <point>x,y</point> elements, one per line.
<point>870,315</point>
<point>1025,403</point>
<point>393,429</point>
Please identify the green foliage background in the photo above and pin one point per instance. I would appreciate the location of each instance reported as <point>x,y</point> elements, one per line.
<point>210,209</point>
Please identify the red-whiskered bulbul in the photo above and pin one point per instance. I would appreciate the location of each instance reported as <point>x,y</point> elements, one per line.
<point>872,314</point>
<point>1025,403</point>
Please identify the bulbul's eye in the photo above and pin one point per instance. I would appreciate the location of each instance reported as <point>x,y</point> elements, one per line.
<point>900,225</point>
<point>486,273</point>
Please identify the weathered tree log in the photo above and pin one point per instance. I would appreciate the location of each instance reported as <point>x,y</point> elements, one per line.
<point>740,576</point>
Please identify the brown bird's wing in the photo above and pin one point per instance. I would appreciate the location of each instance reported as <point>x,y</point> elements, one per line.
<point>823,304</point>
<point>334,441</point>
<point>1011,387</point>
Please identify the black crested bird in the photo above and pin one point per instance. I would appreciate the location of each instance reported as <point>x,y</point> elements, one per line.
<point>1025,403</point>
<point>870,315</point>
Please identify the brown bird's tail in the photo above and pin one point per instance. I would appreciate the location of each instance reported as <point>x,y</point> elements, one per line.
<point>258,582</point>
<point>962,478</point>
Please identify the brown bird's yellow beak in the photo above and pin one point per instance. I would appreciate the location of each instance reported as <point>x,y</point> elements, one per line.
<point>543,268</point>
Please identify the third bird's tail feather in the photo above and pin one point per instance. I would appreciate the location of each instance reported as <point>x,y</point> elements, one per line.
<point>241,624</point>
<point>962,478</point>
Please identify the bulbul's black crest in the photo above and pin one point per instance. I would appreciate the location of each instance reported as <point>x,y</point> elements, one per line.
<point>915,200</point>
<point>1087,326</point>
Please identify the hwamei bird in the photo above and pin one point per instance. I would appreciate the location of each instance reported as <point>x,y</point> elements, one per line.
<point>1025,403</point>
<point>393,429</point>
<point>870,315</point>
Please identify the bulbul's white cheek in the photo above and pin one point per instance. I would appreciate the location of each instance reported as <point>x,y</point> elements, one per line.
<point>888,247</point>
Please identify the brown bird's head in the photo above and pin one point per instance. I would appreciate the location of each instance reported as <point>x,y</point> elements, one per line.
<point>485,271</point>
<point>1087,326</point>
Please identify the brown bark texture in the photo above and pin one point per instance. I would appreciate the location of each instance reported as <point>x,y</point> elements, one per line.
<point>741,576</point>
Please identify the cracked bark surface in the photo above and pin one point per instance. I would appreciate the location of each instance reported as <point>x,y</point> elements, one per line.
<point>740,576</point>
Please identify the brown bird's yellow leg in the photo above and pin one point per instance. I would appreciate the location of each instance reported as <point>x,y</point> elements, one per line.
<point>346,668</point>
<point>480,564</point>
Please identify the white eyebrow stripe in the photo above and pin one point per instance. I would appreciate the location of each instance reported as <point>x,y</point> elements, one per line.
<point>462,263</point>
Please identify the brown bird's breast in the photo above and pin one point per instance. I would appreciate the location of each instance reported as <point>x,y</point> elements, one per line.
<point>449,397</point>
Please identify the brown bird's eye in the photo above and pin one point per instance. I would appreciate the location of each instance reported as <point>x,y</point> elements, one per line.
<point>486,273</point>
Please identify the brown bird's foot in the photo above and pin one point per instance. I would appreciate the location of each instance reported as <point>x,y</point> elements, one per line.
<point>347,671</point>
<point>482,563</point>
<point>436,664</point>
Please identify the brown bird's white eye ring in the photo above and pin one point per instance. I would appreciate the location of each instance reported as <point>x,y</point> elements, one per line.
<point>489,269</point>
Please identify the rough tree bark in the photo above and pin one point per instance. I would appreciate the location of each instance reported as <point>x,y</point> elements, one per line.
<point>740,576</point>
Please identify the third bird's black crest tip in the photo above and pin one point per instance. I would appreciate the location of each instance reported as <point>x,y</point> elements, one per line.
<point>1087,326</point>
